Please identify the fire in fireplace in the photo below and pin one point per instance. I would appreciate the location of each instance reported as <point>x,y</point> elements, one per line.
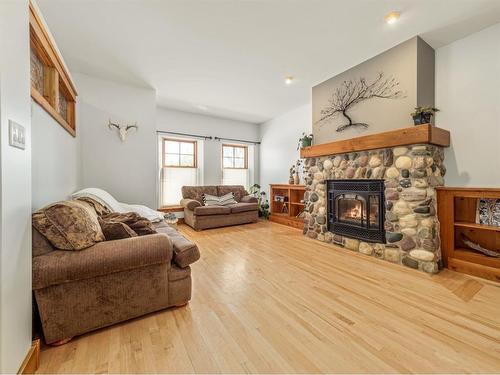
<point>356,209</point>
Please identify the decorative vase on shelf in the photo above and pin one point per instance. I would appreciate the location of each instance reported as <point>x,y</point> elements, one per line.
<point>296,179</point>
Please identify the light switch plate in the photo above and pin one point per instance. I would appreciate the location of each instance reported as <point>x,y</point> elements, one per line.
<point>16,135</point>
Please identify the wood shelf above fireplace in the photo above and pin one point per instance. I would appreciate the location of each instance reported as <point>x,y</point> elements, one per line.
<point>421,134</point>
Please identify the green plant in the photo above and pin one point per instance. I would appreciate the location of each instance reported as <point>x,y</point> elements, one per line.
<point>261,198</point>
<point>424,111</point>
<point>305,141</point>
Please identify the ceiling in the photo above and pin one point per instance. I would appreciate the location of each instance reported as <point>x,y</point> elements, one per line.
<point>228,58</point>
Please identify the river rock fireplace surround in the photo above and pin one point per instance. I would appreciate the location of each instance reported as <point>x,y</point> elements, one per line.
<point>376,200</point>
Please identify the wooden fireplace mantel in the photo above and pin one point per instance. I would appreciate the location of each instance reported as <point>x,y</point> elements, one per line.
<point>420,134</point>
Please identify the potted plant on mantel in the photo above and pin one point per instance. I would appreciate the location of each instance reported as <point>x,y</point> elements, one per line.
<point>423,115</point>
<point>305,141</point>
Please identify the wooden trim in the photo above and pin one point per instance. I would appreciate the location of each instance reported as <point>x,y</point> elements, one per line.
<point>56,77</point>
<point>174,208</point>
<point>40,99</point>
<point>32,360</point>
<point>426,134</point>
<point>38,28</point>
<point>195,154</point>
<point>245,148</point>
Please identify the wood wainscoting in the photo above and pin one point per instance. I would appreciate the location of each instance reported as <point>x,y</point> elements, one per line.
<point>457,215</point>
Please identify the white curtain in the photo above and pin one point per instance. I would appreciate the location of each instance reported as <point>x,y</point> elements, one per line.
<point>171,182</point>
<point>235,177</point>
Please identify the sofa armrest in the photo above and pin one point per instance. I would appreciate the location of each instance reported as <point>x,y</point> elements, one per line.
<point>190,204</point>
<point>62,266</point>
<point>249,199</point>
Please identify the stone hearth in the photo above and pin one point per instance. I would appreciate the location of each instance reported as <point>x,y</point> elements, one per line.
<point>410,174</point>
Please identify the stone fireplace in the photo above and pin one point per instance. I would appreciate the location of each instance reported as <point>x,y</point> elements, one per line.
<point>380,202</point>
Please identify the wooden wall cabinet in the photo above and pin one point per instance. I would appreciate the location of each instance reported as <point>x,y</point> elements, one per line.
<point>51,85</point>
<point>457,214</point>
<point>287,213</point>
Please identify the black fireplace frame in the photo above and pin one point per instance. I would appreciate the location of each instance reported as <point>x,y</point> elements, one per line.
<point>363,188</point>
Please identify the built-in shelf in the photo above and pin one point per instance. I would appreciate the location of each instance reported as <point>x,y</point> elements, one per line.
<point>457,214</point>
<point>477,226</point>
<point>420,134</point>
<point>294,195</point>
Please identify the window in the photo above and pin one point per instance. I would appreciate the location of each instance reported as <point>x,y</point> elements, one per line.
<point>234,157</point>
<point>51,86</point>
<point>235,165</point>
<point>178,158</point>
<point>179,154</point>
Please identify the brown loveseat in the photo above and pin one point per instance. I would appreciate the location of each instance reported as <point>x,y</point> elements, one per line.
<point>111,281</point>
<point>199,217</point>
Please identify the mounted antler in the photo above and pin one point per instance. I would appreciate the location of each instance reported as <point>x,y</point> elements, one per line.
<point>122,129</point>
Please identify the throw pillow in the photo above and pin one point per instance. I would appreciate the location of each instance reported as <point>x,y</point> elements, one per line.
<point>114,230</point>
<point>69,225</point>
<point>212,200</point>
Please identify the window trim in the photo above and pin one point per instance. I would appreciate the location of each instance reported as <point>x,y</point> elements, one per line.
<point>195,155</point>
<point>235,146</point>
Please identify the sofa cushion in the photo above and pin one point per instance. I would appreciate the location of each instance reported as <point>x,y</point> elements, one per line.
<point>69,225</point>
<point>243,207</point>
<point>196,192</point>
<point>185,251</point>
<point>238,191</point>
<point>212,210</point>
<point>249,199</point>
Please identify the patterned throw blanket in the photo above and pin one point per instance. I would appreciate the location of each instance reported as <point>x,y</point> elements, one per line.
<point>116,225</point>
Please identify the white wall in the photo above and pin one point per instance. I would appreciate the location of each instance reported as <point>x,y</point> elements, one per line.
<point>56,166</point>
<point>278,151</point>
<point>127,170</point>
<point>55,154</point>
<point>15,185</point>
<point>468,94</point>
<point>185,122</point>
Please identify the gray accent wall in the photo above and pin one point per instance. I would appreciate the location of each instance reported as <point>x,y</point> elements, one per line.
<point>411,63</point>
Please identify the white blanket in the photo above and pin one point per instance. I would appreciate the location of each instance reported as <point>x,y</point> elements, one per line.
<point>107,200</point>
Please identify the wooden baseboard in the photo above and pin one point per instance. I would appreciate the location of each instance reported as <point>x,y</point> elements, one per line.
<point>32,360</point>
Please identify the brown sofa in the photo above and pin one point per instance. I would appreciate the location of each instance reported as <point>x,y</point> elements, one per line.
<point>199,217</point>
<point>111,281</point>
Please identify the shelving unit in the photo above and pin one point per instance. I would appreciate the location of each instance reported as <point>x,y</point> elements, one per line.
<point>457,215</point>
<point>294,205</point>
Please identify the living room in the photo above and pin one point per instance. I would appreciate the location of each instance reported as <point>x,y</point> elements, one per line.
<point>249,186</point>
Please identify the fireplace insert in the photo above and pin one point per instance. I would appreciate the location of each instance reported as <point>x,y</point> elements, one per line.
<point>356,209</point>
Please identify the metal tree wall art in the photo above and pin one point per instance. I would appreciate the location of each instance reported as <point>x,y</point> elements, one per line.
<point>352,92</point>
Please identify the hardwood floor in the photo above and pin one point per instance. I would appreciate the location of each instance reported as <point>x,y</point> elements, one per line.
<point>267,299</point>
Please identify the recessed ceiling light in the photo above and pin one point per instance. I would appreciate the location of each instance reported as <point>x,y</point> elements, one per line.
<point>392,17</point>
<point>288,80</point>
